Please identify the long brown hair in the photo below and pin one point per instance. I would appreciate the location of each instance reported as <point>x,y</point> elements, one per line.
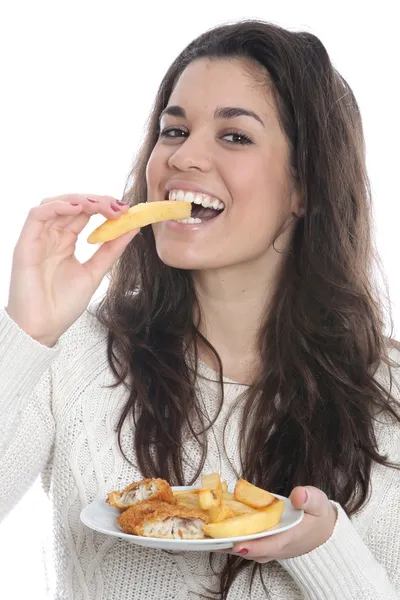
<point>322,340</point>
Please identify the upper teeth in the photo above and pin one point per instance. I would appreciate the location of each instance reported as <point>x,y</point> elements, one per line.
<point>196,198</point>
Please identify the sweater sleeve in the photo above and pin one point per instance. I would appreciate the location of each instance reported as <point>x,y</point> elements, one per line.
<point>344,568</point>
<point>365,564</point>
<point>26,423</point>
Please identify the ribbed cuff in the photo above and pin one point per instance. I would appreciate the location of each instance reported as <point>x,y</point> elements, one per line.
<point>343,568</point>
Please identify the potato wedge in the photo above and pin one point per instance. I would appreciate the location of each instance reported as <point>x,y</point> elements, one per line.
<point>252,495</point>
<point>138,216</point>
<point>259,521</point>
<point>224,486</point>
<point>188,499</point>
<point>219,513</point>
<point>191,491</point>
<point>212,481</point>
<point>227,496</point>
<point>239,508</point>
<point>210,499</point>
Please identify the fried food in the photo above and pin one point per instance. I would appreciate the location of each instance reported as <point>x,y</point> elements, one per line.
<point>159,519</point>
<point>210,497</point>
<point>219,513</point>
<point>259,521</point>
<point>239,508</point>
<point>187,499</point>
<point>211,481</point>
<point>147,489</point>
<point>227,495</point>
<point>151,508</point>
<point>191,491</point>
<point>138,216</point>
<point>252,495</point>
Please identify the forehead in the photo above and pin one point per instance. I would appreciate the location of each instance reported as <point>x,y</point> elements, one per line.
<point>206,84</point>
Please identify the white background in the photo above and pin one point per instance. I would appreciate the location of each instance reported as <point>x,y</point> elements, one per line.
<point>78,80</point>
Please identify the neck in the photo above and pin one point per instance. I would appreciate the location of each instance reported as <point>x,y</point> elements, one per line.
<point>234,303</point>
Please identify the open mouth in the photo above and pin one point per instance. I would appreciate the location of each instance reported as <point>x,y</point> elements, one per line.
<point>204,207</point>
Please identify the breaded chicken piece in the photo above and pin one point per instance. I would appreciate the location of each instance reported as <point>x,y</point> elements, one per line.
<point>147,489</point>
<point>162,520</point>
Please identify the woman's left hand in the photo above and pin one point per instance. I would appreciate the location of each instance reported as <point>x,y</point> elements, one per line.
<point>315,529</point>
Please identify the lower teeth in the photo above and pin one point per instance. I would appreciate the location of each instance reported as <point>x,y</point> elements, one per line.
<point>190,220</point>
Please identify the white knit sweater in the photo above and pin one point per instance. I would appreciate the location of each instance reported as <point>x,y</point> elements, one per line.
<point>58,419</point>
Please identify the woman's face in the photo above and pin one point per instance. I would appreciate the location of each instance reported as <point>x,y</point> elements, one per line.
<point>221,143</point>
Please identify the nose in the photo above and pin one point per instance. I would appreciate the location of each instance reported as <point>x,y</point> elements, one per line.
<point>191,154</point>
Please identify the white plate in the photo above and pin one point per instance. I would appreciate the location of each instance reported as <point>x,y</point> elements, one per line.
<point>102,517</point>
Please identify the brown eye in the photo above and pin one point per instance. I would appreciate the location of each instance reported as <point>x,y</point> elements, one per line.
<point>173,133</point>
<point>237,138</point>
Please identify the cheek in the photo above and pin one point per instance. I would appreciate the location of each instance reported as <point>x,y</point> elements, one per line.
<point>259,192</point>
<point>255,172</point>
<point>154,169</point>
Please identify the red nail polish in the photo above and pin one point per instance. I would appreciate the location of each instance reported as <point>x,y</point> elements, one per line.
<point>115,208</point>
<point>243,551</point>
<point>73,204</point>
<point>121,203</point>
<point>94,201</point>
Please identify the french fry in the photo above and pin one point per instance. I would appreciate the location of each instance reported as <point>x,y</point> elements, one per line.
<point>188,499</point>
<point>210,499</point>
<point>178,493</point>
<point>239,508</point>
<point>224,486</point>
<point>138,216</point>
<point>252,495</point>
<point>257,522</point>
<point>220,513</point>
<point>212,481</point>
<point>228,496</point>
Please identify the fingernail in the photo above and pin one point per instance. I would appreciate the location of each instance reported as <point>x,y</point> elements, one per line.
<point>306,493</point>
<point>243,551</point>
<point>115,208</point>
<point>121,203</point>
<point>92,200</point>
<point>73,204</point>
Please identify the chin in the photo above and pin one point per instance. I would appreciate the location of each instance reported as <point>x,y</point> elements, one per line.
<point>182,260</point>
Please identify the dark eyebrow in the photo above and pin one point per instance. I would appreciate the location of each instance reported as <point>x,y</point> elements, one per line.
<point>223,112</point>
<point>174,111</point>
<point>230,112</point>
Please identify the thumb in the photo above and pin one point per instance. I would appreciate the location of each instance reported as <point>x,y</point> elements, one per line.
<point>310,499</point>
<point>103,259</point>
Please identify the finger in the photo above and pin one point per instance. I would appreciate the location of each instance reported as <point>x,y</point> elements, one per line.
<point>39,216</point>
<point>259,559</point>
<point>65,209</point>
<point>88,200</point>
<point>262,550</point>
<point>108,206</point>
<point>310,499</point>
<point>103,259</point>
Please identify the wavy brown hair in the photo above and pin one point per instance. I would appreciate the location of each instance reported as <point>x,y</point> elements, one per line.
<point>322,339</point>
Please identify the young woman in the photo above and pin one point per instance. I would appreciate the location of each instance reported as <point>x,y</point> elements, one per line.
<point>250,343</point>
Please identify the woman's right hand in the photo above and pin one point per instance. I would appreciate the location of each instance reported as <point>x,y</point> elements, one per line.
<point>49,288</point>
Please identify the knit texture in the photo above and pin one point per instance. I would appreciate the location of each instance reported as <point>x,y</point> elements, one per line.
<point>58,419</point>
